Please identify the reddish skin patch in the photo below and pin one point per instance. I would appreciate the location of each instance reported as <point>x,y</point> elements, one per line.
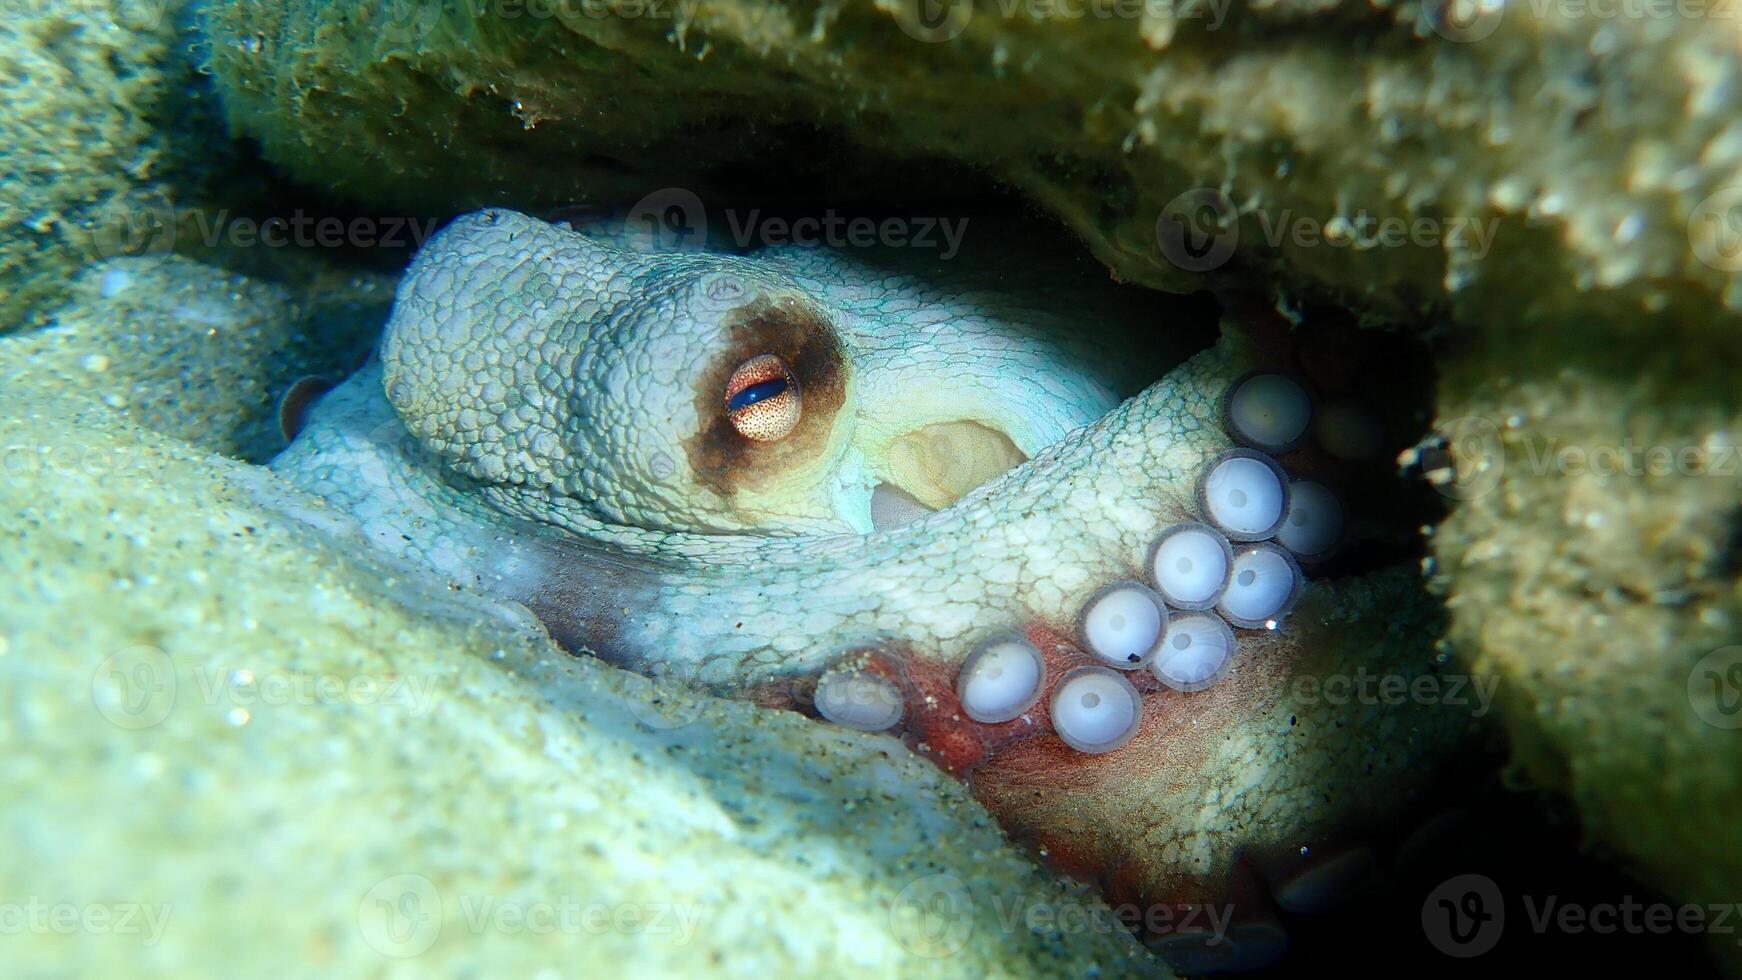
<point>936,727</point>
<point>1020,767</point>
<point>1067,804</point>
<point>1045,768</point>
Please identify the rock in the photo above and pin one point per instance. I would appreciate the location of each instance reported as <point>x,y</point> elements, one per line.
<point>213,712</point>
<point>1528,164</point>
<point>95,164</point>
<point>1592,562</point>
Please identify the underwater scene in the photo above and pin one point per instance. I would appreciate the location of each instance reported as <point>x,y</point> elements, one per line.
<point>871,488</point>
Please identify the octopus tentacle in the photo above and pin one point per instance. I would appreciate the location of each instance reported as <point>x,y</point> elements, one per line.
<point>1107,639</point>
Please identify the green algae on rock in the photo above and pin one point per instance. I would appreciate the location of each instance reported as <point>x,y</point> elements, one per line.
<point>1592,563</point>
<point>220,713</point>
<point>109,143</point>
<point>1555,164</point>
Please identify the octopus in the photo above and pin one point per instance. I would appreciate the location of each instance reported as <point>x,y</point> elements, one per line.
<point>1107,570</point>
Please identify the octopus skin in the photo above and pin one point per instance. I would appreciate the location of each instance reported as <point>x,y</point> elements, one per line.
<point>932,459</point>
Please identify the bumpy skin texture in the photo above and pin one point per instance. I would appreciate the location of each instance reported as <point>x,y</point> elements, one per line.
<point>543,373</point>
<point>560,365</point>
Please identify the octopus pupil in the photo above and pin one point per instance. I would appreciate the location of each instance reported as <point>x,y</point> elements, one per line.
<point>760,391</point>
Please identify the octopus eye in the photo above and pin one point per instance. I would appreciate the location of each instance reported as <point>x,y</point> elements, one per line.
<point>762,399</point>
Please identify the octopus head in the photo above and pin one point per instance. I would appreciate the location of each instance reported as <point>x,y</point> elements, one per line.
<point>670,392</point>
<point>580,375</point>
